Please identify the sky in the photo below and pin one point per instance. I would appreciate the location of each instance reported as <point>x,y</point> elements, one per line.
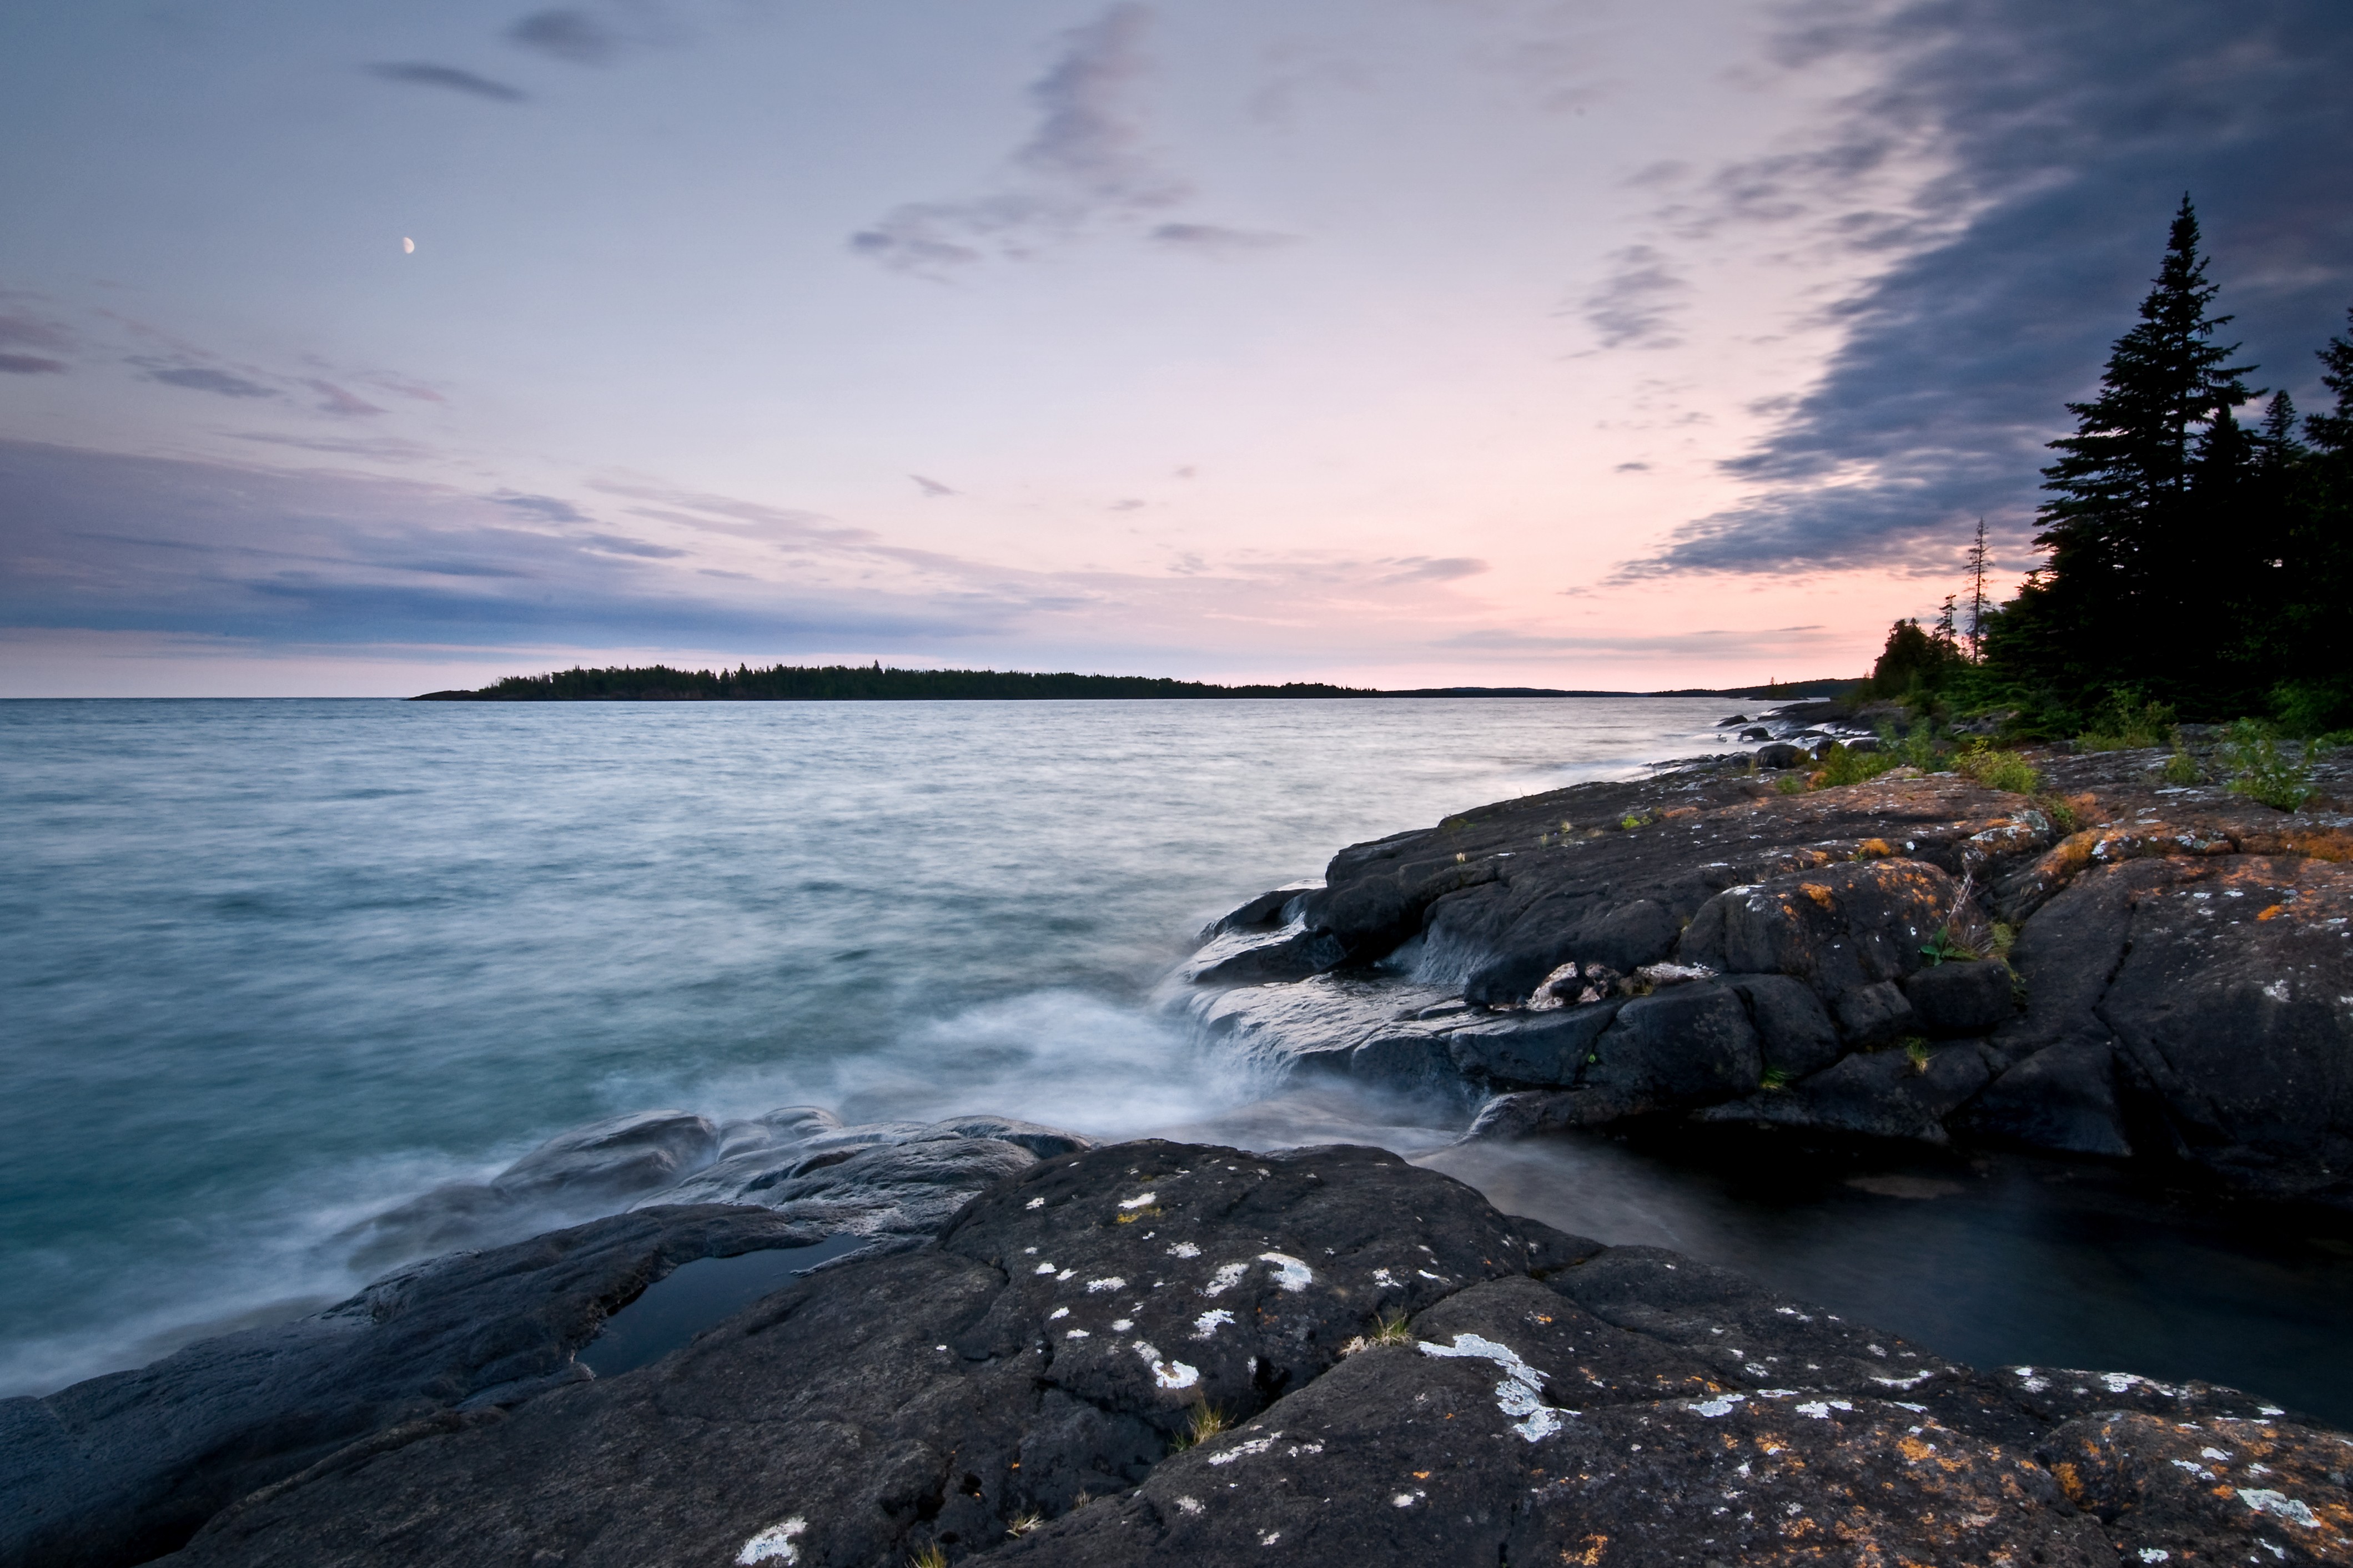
<point>364,350</point>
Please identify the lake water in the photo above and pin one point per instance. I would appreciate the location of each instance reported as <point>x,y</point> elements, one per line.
<point>273,966</point>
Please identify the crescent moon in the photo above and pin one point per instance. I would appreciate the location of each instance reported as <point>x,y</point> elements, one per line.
<point>407,247</point>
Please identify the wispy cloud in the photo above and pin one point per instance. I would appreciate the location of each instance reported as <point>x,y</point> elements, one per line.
<point>424,73</point>
<point>1089,165</point>
<point>1634,306</point>
<point>931,487</point>
<point>567,34</point>
<point>204,378</point>
<point>334,399</point>
<point>20,329</point>
<point>548,508</point>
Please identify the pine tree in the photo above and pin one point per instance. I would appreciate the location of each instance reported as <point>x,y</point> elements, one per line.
<point>2125,556</point>
<point>2332,433</point>
<point>1977,595</point>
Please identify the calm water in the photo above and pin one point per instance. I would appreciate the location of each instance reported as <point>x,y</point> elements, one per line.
<point>272,966</point>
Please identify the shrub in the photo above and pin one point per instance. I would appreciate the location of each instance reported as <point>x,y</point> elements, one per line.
<point>1842,765</point>
<point>1920,748</point>
<point>1790,784</point>
<point>2125,722</point>
<point>2182,768</point>
<point>2251,750</point>
<point>2006,771</point>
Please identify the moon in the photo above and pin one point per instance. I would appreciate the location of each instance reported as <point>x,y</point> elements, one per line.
<point>407,247</point>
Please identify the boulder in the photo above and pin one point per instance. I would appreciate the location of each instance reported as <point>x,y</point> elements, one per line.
<point>1837,929</point>
<point>1872,1094</point>
<point>1689,1044</point>
<point>1545,1049</point>
<point>1949,1000</point>
<point>2063,1097</point>
<point>614,1158</point>
<point>1794,1031</point>
<point>1870,1017</point>
<point>1781,754</point>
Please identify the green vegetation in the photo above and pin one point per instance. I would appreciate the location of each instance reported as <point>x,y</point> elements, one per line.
<point>2182,768</point>
<point>1206,1422</point>
<point>2127,723</point>
<point>1774,1078</point>
<point>1915,1051</point>
<point>853,683</point>
<point>1844,765</point>
<point>2251,751</point>
<point>932,1556</point>
<point>2000,769</point>
<point>2195,567</point>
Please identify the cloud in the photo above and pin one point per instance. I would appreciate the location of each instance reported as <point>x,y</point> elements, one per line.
<point>23,331</point>
<point>615,545</point>
<point>2063,136</point>
<point>931,487</point>
<point>1714,643</point>
<point>546,507</point>
<point>421,73</point>
<point>1424,569</point>
<point>1633,467</point>
<point>566,33</point>
<point>203,378</point>
<point>384,449</point>
<point>1086,164</point>
<point>1212,239</point>
<point>1635,304</point>
<point>334,399</point>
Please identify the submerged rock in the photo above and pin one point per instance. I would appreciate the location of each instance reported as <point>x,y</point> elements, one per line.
<point>1399,1374</point>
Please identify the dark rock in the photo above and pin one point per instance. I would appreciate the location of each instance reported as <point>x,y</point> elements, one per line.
<point>1874,1094</point>
<point>1793,1029</point>
<point>1624,936</point>
<point>1546,1048</point>
<point>1235,961</point>
<point>1837,929</point>
<point>1781,754</point>
<point>1965,998</point>
<point>1756,733</point>
<point>614,1157</point>
<point>1873,1015</point>
<point>1266,910</point>
<point>1553,1400</point>
<point>2063,1097</point>
<point>1689,1044</point>
<point>1734,718</point>
<point>1862,744</point>
<point>126,1466</point>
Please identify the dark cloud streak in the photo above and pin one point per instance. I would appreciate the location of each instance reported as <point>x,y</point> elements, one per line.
<point>2072,130</point>
<point>424,73</point>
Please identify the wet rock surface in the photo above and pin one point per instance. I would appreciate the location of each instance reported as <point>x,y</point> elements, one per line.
<point>2116,966</point>
<point>1409,1375</point>
<point>123,1467</point>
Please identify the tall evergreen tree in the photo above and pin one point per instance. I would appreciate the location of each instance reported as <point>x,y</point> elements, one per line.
<point>2120,526</point>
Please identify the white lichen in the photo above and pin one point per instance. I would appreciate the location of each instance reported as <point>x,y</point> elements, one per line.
<point>775,1544</point>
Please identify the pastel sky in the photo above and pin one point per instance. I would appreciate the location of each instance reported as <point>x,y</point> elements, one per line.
<point>1620,344</point>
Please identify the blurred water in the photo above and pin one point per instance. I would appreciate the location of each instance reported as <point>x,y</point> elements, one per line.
<point>270,966</point>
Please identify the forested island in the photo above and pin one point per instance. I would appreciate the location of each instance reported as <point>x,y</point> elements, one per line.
<point>875,683</point>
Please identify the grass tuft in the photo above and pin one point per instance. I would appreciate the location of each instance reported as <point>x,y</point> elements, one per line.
<point>1206,1422</point>
<point>1774,1078</point>
<point>1915,1051</point>
<point>932,1556</point>
<point>1024,1523</point>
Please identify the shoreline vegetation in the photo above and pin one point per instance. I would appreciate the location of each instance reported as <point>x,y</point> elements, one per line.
<point>874,683</point>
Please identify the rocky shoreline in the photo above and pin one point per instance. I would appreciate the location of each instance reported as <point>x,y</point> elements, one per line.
<point>2115,967</point>
<point>984,1340</point>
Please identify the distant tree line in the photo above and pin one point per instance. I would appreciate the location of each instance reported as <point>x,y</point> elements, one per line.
<point>850,683</point>
<point>2193,561</point>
